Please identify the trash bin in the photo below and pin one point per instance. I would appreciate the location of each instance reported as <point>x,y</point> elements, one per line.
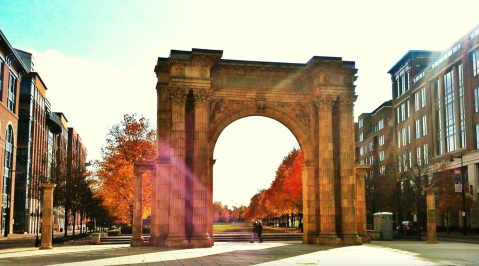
<point>383,222</point>
<point>95,238</point>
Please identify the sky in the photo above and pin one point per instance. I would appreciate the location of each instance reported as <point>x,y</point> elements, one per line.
<point>97,59</point>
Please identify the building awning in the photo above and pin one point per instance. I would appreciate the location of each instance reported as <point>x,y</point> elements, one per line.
<point>54,123</point>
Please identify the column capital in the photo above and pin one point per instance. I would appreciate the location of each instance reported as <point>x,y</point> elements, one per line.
<point>202,96</point>
<point>325,102</point>
<point>178,95</point>
<point>346,102</point>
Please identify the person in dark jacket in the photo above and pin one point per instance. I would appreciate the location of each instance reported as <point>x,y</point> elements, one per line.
<point>259,230</point>
<point>254,231</point>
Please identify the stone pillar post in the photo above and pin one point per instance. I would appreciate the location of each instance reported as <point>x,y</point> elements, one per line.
<point>47,216</point>
<point>431,215</point>
<point>137,223</point>
<point>347,187</point>
<point>327,200</point>
<point>200,236</point>
<point>177,234</point>
<point>309,203</point>
<point>361,171</point>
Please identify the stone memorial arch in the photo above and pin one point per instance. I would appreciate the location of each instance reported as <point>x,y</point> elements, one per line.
<point>199,95</point>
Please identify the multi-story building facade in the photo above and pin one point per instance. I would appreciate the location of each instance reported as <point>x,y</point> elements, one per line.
<point>435,98</point>
<point>35,144</point>
<point>76,163</point>
<point>38,127</point>
<point>11,71</point>
<point>375,136</point>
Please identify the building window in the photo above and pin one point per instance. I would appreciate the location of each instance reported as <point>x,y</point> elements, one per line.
<point>381,140</point>
<point>381,156</point>
<point>8,163</point>
<point>408,109</point>
<point>371,146</point>
<point>381,124</point>
<point>475,62</point>
<point>418,156</point>
<point>462,112</point>
<point>418,128</point>
<point>398,115</point>
<point>476,99</point>
<point>360,136</point>
<point>1,76</point>
<point>12,85</point>
<point>409,134</point>
<point>404,161</point>
<point>361,150</point>
<point>423,97</point>
<point>449,112</point>
<point>437,114</point>
<point>404,137</point>
<point>410,160</point>
<point>477,136</point>
<point>426,154</point>
<point>416,101</point>
<point>424,125</point>
<point>399,138</point>
<point>382,170</point>
<point>361,123</point>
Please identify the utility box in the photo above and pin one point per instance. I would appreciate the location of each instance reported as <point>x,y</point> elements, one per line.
<point>383,222</point>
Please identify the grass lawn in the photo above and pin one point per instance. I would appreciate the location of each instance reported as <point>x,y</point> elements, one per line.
<point>248,228</point>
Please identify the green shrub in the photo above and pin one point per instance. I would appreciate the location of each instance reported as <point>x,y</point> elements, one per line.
<point>113,232</point>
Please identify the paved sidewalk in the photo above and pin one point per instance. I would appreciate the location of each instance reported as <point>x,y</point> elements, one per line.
<point>286,253</point>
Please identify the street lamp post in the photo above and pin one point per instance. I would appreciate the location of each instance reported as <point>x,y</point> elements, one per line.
<point>464,220</point>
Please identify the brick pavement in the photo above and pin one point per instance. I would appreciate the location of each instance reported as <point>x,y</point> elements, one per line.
<point>397,252</point>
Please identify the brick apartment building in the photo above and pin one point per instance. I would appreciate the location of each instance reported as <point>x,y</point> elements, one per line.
<point>35,144</point>
<point>434,116</point>
<point>11,71</point>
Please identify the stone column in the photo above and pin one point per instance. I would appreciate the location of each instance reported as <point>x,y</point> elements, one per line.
<point>200,236</point>
<point>210,199</point>
<point>347,186</point>
<point>162,188</point>
<point>47,216</point>
<point>361,171</point>
<point>153,217</point>
<point>309,203</point>
<point>177,236</point>
<point>431,215</point>
<point>327,200</point>
<point>137,223</point>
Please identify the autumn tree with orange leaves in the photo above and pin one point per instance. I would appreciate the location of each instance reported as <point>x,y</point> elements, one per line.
<point>285,196</point>
<point>130,141</point>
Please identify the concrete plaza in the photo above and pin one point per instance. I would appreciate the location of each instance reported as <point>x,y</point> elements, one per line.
<point>275,253</point>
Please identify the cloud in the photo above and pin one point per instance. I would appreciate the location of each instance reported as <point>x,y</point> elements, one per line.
<point>94,96</point>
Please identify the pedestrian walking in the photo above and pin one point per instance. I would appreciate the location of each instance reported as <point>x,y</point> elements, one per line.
<point>259,230</point>
<point>254,231</point>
